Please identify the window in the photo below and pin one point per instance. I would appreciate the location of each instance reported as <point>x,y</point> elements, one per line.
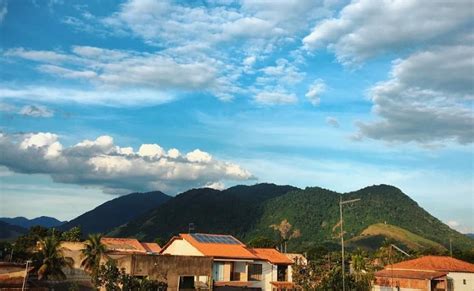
<point>218,271</point>
<point>464,281</point>
<point>282,273</point>
<point>255,272</point>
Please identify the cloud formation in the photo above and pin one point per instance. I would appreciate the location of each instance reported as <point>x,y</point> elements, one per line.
<point>364,30</point>
<point>428,100</point>
<point>100,163</point>
<point>314,91</point>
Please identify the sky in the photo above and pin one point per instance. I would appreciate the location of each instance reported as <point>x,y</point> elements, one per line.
<point>101,98</point>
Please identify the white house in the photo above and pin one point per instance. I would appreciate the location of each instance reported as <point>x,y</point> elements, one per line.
<point>234,264</point>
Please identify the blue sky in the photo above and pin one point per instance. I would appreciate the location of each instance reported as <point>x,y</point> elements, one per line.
<point>101,98</point>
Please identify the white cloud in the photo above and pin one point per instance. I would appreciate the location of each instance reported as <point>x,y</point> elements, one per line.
<point>314,91</point>
<point>364,30</point>
<point>332,121</point>
<point>36,111</point>
<point>3,10</point>
<point>100,163</point>
<point>428,100</point>
<point>275,98</point>
<point>96,96</point>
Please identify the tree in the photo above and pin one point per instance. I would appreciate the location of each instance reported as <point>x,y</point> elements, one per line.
<point>286,233</point>
<point>113,279</point>
<point>74,234</point>
<point>52,259</point>
<point>92,254</point>
<point>262,242</point>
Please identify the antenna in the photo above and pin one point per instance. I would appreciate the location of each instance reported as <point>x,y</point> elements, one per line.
<point>191,227</point>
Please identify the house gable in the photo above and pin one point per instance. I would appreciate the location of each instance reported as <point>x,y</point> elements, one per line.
<point>180,247</point>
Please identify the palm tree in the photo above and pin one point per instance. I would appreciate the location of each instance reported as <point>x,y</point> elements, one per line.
<point>92,253</point>
<point>52,259</point>
<point>284,228</point>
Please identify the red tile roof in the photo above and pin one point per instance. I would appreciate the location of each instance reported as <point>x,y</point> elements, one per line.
<point>220,250</point>
<point>407,274</point>
<point>283,285</point>
<point>151,247</point>
<point>271,255</point>
<point>434,263</point>
<point>127,245</point>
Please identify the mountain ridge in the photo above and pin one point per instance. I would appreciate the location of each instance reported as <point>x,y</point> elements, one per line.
<point>45,221</point>
<point>116,212</point>
<point>248,211</point>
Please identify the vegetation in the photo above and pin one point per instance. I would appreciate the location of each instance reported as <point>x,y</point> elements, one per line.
<point>51,259</point>
<point>74,234</point>
<point>92,254</point>
<point>113,279</point>
<point>286,231</point>
<point>116,212</point>
<point>247,211</point>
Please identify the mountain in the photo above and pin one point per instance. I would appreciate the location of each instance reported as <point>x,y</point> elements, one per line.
<point>27,223</point>
<point>8,231</point>
<point>248,211</point>
<point>234,211</point>
<point>116,212</point>
<point>470,235</point>
<point>375,235</point>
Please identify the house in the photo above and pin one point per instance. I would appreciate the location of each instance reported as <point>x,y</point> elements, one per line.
<point>235,265</point>
<point>143,260</point>
<point>427,273</point>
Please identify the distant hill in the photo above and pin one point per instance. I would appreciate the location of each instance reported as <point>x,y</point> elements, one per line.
<point>116,212</point>
<point>45,221</point>
<point>9,232</point>
<point>233,211</point>
<point>248,211</point>
<point>470,235</point>
<point>374,236</point>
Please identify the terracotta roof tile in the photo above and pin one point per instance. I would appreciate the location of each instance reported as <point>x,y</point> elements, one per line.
<point>220,250</point>
<point>283,285</point>
<point>127,245</point>
<point>407,274</point>
<point>434,263</point>
<point>151,247</point>
<point>271,255</point>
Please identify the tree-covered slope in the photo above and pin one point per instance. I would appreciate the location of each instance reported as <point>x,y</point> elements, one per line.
<point>233,211</point>
<point>248,212</point>
<point>315,211</point>
<point>116,212</point>
<point>9,232</point>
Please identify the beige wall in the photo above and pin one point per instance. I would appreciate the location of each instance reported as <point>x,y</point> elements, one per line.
<point>180,247</point>
<point>458,281</point>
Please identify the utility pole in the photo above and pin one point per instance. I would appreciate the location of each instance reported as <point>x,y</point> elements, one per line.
<point>451,247</point>
<point>341,203</point>
<point>26,275</point>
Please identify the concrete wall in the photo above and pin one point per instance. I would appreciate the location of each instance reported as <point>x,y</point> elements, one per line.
<point>170,268</point>
<point>458,283</point>
<point>180,247</point>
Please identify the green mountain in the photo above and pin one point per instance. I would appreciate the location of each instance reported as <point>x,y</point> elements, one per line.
<point>116,212</point>
<point>248,211</point>
<point>233,211</point>
<point>10,232</point>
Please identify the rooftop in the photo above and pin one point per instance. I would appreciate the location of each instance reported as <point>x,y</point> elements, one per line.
<point>272,255</point>
<point>218,246</point>
<point>434,263</point>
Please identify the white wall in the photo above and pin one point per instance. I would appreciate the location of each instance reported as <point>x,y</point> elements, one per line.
<point>269,274</point>
<point>458,281</point>
<point>180,247</point>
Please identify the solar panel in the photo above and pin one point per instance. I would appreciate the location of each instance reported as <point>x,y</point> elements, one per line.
<point>219,239</point>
